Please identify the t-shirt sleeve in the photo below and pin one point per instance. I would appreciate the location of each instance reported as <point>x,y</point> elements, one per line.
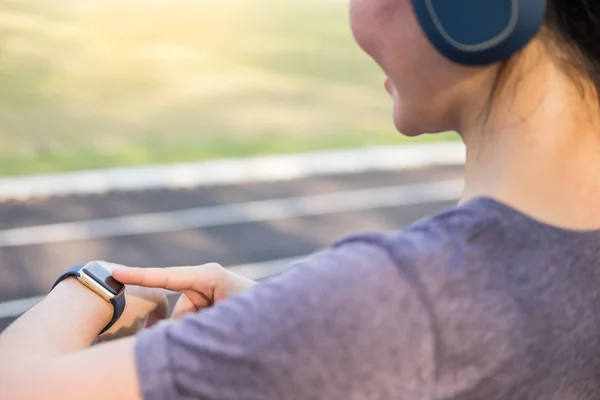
<point>345,324</point>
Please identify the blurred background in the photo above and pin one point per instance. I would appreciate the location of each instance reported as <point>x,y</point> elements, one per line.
<point>106,82</point>
<point>86,85</point>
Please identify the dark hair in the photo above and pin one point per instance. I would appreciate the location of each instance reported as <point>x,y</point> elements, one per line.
<point>572,32</point>
<point>574,27</point>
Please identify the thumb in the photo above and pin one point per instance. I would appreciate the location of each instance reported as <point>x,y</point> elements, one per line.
<point>183,307</point>
<point>160,312</point>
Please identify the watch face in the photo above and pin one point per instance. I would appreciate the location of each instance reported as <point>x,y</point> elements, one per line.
<point>103,277</point>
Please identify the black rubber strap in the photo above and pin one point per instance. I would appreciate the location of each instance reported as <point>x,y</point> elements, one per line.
<point>118,302</point>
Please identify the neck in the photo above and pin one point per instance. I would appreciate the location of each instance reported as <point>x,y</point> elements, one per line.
<point>541,157</point>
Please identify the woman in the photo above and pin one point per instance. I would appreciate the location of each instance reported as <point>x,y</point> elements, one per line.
<point>494,299</point>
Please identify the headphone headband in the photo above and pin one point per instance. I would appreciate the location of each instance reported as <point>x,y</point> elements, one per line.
<point>479,32</point>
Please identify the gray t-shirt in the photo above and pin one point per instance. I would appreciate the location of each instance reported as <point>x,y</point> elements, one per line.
<point>478,302</point>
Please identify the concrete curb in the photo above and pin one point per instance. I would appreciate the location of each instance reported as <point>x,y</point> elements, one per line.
<point>232,171</point>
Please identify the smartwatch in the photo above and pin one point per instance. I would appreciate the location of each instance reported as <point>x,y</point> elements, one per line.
<point>99,280</point>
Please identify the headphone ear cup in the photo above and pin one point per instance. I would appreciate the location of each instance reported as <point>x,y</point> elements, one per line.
<point>479,32</point>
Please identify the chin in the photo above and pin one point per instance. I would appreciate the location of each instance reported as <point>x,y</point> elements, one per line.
<point>408,128</point>
<point>410,133</point>
<point>419,121</point>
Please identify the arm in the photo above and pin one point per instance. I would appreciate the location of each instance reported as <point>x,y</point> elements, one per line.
<point>45,354</point>
<point>50,344</point>
<point>345,324</point>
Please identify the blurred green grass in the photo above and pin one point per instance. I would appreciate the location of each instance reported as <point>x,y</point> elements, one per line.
<point>109,83</point>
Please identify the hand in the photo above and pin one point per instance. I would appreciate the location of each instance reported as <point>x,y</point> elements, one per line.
<point>201,286</point>
<point>143,308</point>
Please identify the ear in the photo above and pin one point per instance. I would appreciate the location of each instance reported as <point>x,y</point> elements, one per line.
<point>476,32</point>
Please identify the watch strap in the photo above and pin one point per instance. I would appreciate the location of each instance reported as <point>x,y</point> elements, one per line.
<point>118,306</point>
<point>118,302</point>
<point>73,271</point>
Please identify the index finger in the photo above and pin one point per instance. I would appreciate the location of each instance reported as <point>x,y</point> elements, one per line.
<point>177,279</point>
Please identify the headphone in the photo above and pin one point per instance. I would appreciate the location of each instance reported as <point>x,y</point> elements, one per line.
<point>479,32</point>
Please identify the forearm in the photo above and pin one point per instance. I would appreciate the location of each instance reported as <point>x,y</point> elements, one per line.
<point>46,354</point>
<point>68,319</point>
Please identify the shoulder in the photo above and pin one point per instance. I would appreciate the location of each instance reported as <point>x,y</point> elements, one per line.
<point>449,261</point>
<point>456,262</point>
<point>444,242</point>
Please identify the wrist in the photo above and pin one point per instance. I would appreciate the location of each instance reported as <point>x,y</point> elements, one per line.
<point>81,305</point>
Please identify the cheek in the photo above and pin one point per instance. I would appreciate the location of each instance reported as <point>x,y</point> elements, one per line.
<point>370,21</point>
<point>388,31</point>
<point>361,24</point>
